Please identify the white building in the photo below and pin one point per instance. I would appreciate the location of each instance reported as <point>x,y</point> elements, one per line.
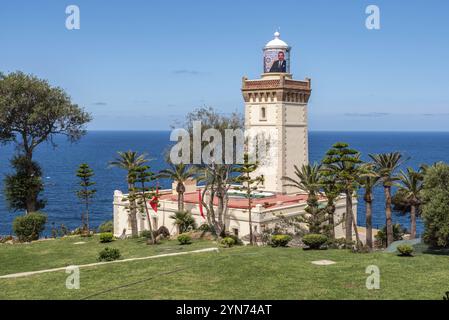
<point>275,105</point>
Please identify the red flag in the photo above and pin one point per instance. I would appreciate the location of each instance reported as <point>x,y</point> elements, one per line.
<point>154,201</point>
<point>200,203</point>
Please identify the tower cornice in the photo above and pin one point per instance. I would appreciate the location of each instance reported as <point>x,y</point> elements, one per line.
<point>279,88</point>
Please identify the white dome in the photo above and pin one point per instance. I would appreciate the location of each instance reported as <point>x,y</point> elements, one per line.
<point>276,42</point>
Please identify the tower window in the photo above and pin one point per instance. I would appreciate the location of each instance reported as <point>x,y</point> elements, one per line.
<point>263,113</point>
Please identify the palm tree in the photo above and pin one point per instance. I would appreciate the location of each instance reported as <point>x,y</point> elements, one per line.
<point>129,161</point>
<point>368,182</point>
<point>411,185</point>
<point>183,221</point>
<point>386,165</point>
<point>179,173</point>
<point>332,191</point>
<point>308,179</point>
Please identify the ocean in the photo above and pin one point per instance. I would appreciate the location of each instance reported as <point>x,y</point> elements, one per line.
<point>97,148</point>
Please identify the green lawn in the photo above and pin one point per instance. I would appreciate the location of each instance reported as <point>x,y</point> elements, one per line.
<point>64,252</point>
<point>236,273</point>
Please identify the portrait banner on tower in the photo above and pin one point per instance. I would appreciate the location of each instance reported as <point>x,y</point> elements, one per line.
<point>276,60</point>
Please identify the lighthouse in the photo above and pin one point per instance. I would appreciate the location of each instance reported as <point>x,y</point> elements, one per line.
<point>276,108</point>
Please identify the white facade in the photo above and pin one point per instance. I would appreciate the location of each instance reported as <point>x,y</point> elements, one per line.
<point>236,222</point>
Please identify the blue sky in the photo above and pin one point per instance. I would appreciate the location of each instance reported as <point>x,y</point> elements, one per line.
<point>141,65</point>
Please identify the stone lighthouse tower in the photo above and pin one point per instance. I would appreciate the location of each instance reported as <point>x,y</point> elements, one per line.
<point>276,110</point>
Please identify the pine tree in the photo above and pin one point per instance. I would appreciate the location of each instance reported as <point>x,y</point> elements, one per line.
<point>345,165</point>
<point>249,184</point>
<point>86,193</point>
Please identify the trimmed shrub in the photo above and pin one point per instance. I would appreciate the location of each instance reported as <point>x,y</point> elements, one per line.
<point>106,237</point>
<point>184,239</point>
<point>228,242</point>
<point>107,226</point>
<point>29,227</point>
<point>109,254</point>
<point>237,240</point>
<point>280,240</point>
<point>405,250</point>
<point>314,240</point>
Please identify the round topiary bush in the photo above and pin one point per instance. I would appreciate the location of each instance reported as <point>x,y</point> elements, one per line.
<point>109,254</point>
<point>280,240</point>
<point>405,250</point>
<point>184,239</point>
<point>106,237</point>
<point>228,242</point>
<point>314,241</point>
<point>29,227</point>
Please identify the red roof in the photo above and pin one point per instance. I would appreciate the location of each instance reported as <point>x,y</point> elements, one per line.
<point>275,201</point>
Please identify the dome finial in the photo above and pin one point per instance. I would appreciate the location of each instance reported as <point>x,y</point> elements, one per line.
<point>277,34</point>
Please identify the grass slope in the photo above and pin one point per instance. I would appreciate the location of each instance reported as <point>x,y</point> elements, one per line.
<point>236,273</point>
<point>64,252</point>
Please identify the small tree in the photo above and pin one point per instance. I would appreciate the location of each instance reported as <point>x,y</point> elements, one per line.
<point>179,173</point>
<point>33,112</point>
<point>183,221</point>
<point>85,193</point>
<point>21,188</point>
<point>249,184</point>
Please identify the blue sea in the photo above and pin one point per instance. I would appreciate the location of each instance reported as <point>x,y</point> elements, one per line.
<point>97,148</point>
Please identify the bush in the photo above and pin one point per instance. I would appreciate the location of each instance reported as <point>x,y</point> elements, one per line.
<point>29,227</point>
<point>106,237</point>
<point>228,242</point>
<point>184,239</point>
<point>107,226</point>
<point>435,210</point>
<point>280,240</point>
<point>109,254</point>
<point>339,243</point>
<point>147,234</point>
<point>405,250</point>
<point>314,240</point>
<point>381,236</point>
<point>237,240</point>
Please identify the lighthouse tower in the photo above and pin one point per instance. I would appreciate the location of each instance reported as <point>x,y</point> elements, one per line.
<point>276,108</point>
